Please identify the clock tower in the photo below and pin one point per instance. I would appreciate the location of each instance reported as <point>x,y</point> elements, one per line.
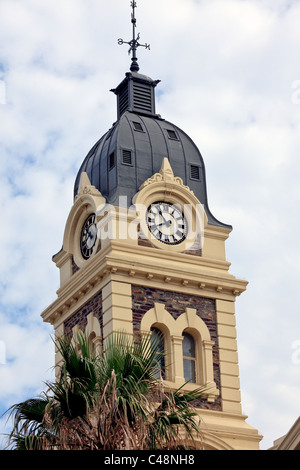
<point>142,251</point>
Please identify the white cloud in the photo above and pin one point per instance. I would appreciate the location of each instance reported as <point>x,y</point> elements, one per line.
<point>28,362</point>
<point>229,75</point>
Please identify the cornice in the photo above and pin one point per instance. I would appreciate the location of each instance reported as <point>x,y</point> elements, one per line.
<point>151,253</point>
<point>146,266</point>
<point>228,423</point>
<point>217,232</point>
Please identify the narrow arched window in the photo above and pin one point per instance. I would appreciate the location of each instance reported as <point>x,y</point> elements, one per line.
<point>189,357</point>
<point>157,341</point>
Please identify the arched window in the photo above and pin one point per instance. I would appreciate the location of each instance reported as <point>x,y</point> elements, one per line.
<point>189,357</point>
<point>187,345</point>
<point>158,342</point>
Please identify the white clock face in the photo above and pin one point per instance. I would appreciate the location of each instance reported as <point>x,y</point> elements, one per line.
<point>166,222</point>
<point>88,236</point>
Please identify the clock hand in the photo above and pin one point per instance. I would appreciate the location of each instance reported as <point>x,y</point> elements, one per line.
<point>169,222</point>
<point>90,232</point>
<point>162,215</point>
<point>87,235</point>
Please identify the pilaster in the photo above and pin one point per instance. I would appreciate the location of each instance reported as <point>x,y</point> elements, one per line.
<point>178,365</point>
<point>229,369</point>
<point>117,308</point>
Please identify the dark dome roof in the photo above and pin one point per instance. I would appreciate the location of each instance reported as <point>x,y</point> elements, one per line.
<point>133,150</point>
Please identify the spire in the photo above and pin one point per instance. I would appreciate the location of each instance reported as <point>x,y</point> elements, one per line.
<point>136,92</point>
<point>134,43</point>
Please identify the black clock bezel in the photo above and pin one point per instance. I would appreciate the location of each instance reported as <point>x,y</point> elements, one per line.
<point>185,227</point>
<point>86,252</point>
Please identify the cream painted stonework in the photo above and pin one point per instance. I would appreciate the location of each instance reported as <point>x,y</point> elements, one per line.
<point>119,262</point>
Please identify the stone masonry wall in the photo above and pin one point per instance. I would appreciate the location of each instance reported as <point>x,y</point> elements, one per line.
<point>80,317</point>
<point>143,299</point>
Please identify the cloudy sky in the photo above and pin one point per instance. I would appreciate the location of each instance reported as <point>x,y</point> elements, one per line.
<point>230,78</point>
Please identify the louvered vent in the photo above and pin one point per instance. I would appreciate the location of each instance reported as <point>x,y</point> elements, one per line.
<point>142,98</point>
<point>111,160</point>
<point>172,134</point>
<point>137,126</point>
<point>123,100</point>
<point>126,157</point>
<point>195,172</point>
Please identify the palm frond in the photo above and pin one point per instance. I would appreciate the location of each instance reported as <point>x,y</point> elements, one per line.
<point>28,415</point>
<point>113,401</point>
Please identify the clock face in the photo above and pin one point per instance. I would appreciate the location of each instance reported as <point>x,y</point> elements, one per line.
<point>88,236</point>
<point>166,222</point>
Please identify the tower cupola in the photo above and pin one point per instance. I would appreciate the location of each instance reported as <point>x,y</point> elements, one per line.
<point>134,147</point>
<point>136,93</point>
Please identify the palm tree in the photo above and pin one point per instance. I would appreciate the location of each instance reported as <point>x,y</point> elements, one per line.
<point>112,401</point>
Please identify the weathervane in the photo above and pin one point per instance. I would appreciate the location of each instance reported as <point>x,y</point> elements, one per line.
<point>134,43</point>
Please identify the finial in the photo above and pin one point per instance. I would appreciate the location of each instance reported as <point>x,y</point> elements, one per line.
<point>134,43</point>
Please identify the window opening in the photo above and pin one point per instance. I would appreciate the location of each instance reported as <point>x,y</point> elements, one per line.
<point>137,126</point>
<point>189,358</point>
<point>172,134</point>
<point>157,340</point>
